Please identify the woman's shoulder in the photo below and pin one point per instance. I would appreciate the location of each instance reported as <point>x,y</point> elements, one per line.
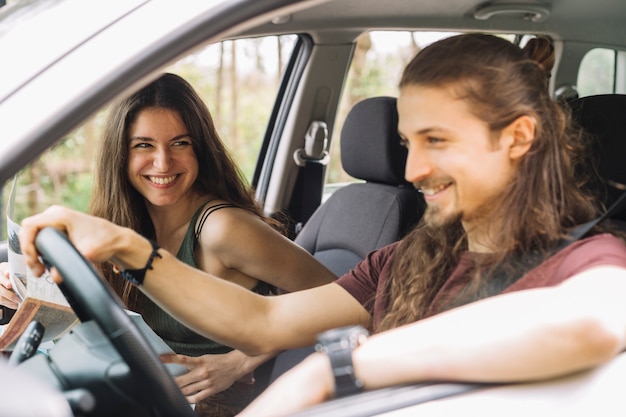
<point>219,219</point>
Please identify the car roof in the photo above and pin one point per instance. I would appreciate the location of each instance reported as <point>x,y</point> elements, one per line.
<point>68,72</point>
<point>600,22</point>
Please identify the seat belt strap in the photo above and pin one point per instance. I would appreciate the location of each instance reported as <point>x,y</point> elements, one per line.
<point>584,228</point>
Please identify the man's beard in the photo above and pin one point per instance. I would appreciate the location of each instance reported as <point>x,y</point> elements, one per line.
<point>435,217</point>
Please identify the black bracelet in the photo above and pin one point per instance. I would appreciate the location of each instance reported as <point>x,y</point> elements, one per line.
<point>136,276</point>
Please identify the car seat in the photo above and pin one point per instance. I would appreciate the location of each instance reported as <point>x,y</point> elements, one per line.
<point>604,117</point>
<point>366,215</point>
<point>363,216</point>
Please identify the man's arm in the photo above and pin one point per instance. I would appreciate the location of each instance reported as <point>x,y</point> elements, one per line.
<point>213,307</point>
<point>521,336</point>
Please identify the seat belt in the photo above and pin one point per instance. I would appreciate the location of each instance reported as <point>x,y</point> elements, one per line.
<point>501,279</point>
<point>313,159</point>
<point>583,229</point>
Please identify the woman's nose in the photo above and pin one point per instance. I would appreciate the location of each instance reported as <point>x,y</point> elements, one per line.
<point>162,159</point>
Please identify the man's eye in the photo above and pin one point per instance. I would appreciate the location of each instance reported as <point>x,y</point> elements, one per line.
<point>434,140</point>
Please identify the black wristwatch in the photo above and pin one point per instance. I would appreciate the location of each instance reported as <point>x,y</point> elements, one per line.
<point>338,345</point>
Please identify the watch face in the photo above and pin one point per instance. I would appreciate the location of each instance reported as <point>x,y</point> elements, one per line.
<point>351,334</point>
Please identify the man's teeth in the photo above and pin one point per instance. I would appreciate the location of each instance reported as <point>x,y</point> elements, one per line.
<point>162,180</point>
<point>433,191</point>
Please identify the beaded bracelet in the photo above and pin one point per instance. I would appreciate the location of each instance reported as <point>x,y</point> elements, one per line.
<point>136,276</point>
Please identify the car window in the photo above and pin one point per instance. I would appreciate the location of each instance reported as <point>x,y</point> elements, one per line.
<point>238,81</point>
<point>379,58</point>
<point>376,68</point>
<point>597,72</point>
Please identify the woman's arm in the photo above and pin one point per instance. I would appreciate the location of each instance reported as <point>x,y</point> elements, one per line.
<point>211,306</point>
<point>243,242</point>
<point>522,336</point>
<point>8,297</point>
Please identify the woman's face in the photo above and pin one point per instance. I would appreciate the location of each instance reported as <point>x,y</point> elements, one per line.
<point>162,164</point>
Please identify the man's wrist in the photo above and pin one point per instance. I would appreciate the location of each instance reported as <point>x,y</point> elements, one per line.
<point>321,371</point>
<point>338,345</point>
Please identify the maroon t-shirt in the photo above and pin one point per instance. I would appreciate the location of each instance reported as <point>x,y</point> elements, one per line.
<point>367,280</point>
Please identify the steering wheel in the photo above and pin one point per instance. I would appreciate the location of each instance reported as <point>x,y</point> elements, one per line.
<point>92,299</point>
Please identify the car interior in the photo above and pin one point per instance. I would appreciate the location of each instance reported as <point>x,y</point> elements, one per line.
<point>323,112</point>
<point>602,116</point>
<point>362,216</point>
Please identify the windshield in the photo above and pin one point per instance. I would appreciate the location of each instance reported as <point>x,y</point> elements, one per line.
<point>35,33</point>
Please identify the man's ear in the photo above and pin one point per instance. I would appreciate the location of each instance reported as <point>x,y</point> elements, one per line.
<point>521,133</point>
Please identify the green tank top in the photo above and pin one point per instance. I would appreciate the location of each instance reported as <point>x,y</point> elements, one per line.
<point>179,337</point>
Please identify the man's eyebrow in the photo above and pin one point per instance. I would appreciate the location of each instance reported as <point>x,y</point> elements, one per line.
<point>428,130</point>
<point>423,131</point>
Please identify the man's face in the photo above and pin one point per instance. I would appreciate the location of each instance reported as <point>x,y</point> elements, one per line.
<point>452,158</point>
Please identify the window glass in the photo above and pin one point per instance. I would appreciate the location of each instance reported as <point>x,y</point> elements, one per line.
<point>596,74</point>
<point>379,59</point>
<point>238,81</point>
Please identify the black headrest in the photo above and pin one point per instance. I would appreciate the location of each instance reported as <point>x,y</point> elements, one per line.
<point>370,144</point>
<point>604,117</point>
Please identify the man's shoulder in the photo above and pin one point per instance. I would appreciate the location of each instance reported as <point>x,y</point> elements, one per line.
<point>597,250</point>
<point>602,241</point>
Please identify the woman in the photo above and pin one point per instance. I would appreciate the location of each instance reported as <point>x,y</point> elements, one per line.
<point>163,171</point>
<point>476,292</point>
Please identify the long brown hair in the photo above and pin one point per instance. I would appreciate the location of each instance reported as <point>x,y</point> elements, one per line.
<point>545,200</point>
<point>115,199</point>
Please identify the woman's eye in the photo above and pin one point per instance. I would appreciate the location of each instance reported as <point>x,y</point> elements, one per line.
<point>182,143</point>
<point>141,145</point>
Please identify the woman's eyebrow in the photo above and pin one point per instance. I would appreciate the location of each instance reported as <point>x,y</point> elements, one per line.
<point>149,139</point>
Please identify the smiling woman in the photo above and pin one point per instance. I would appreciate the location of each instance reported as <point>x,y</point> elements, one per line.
<point>163,171</point>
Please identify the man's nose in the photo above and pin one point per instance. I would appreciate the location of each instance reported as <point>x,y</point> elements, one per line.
<point>418,165</point>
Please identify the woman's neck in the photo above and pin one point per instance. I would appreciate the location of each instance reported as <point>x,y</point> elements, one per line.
<point>171,222</point>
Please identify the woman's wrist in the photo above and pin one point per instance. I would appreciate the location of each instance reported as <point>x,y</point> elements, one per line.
<point>130,250</point>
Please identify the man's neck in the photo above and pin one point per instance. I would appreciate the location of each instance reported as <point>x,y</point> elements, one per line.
<point>478,240</point>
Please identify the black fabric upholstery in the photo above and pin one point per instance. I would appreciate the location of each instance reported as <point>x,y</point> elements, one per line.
<point>604,117</point>
<point>361,217</point>
<point>357,219</point>
<point>362,154</point>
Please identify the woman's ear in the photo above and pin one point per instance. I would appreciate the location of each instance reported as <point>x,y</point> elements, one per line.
<point>522,133</point>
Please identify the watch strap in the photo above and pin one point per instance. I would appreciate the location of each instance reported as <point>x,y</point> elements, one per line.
<point>346,382</point>
<point>338,345</point>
